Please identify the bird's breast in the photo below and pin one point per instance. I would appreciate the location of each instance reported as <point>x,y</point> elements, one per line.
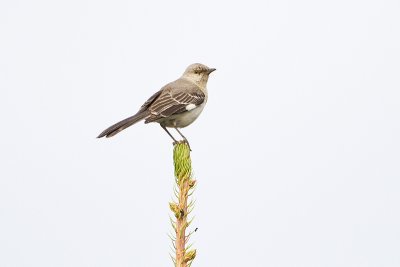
<point>184,119</point>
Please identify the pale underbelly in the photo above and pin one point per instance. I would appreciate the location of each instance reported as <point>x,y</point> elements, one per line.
<point>184,119</point>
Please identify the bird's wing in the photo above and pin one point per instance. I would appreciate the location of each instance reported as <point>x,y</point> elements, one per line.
<point>176,98</point>
<point>149,101</point>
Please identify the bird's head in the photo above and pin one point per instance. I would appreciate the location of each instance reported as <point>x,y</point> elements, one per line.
<point>198,73</point>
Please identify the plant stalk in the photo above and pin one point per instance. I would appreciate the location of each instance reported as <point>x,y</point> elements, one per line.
<point>181,208</point>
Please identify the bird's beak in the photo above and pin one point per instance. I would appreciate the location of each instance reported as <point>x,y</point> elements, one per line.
<point>211,70</point>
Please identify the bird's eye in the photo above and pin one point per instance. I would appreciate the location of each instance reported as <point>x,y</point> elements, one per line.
<point>198,70</point>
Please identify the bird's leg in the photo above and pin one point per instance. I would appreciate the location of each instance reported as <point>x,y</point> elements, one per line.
<point>184,138</point>
<point>169,134</point>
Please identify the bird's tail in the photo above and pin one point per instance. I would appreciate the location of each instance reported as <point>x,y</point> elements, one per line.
<point>116,128</point>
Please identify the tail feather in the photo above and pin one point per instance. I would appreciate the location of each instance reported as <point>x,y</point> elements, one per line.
<point>119,126</point>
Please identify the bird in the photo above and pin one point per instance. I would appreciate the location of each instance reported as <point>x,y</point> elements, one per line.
<point>176,105</point>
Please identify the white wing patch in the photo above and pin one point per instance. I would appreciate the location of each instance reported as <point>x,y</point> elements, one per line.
<point>190,107</point>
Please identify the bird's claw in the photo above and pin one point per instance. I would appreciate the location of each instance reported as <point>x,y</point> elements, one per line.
<point>182,141</point>
<point>187,142</point>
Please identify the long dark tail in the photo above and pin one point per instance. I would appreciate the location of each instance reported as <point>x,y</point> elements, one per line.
<point>116,128</point>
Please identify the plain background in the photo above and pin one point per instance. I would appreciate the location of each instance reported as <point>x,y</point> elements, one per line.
<point>296,154</point>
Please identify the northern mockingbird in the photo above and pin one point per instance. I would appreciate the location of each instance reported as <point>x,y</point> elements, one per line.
<point>176,105</point>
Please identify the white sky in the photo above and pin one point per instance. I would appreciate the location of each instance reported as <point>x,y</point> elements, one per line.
<point>297,153</point>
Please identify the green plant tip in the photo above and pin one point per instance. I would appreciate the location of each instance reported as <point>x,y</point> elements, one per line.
<point>182,161</point>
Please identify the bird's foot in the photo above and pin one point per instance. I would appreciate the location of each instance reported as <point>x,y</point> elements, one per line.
<point>187,142</point>
<point>181,142</point>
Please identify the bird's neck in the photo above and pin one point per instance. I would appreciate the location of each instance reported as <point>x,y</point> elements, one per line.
<point>200,81</point>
